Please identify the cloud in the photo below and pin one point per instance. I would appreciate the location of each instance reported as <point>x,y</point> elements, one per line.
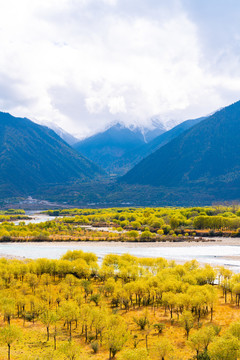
<point>85,63</point>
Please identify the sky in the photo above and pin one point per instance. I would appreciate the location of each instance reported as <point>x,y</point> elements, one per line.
<point>83,64</point>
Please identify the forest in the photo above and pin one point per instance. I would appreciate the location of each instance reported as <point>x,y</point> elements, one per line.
<point>126,308</point>
<point>125,224</point>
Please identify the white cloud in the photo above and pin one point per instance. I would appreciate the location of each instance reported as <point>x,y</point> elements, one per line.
<point>117,105</point>
<point>82,63</point>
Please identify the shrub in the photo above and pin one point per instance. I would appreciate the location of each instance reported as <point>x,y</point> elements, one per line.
<point>159,327</point>
<point>142,322</point>
<point>95,346</point>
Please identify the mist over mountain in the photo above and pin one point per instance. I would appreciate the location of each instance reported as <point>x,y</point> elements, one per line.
<point>155,128</point>
<point>66,136</point>
<point>131,158</point>
<point>32,155</point>
<point>106,147</point>
<point>208,154</point>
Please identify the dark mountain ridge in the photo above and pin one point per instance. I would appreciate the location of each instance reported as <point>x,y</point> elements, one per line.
<point>208,154</point>
<point>132,158</point>
<point>105,147</point>
<point>119,148</point>
<point>32,155</point>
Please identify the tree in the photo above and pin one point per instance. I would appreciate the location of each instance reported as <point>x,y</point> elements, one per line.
<point>141,321</point>
<point>187,321</point>
<point>47,318</point>
<point>159,327</point>
<point>8,335</point>
<point>146,235</point>
<point>169,300</point>
<point>234,330</point>
<point>116,335</point>
<point>7,306</point>
<point>224,348</point>
<point>99,321</point>
<point>55,318</point>
<point>201,339</point>
<point>164,349</point>
<point>86,316</point>
<point>133,234</point>
<point>174,223</point>
<point>135,354</point>
<point>70,313</point>
<point>32,280</point>
<point>70,350</point>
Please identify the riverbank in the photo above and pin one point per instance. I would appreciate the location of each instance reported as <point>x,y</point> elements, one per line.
<point>164,241</point>
<point>215,253</point>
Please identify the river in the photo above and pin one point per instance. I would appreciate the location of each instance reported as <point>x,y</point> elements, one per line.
<point>214,254</point>
<point>227,255</point>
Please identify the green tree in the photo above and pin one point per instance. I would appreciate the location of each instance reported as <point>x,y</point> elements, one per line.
<point>7,306</point>
<point>116,335</point>
<point>141,321</point>
<point>8,335</point>
<point>135,354</point>
<point>69,312</point>
<point>70,350</point>
<point>187,321</point>
<point>164,349</point>
<point>224,348</point>
<point>201,339</point>
<point>47,318</point>
<point>234,330</point>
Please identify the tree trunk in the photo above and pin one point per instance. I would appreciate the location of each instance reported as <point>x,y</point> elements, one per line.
<point>70,330</point>
<point>9,349</point>
<point>86,333</point>
<point>55,337</point>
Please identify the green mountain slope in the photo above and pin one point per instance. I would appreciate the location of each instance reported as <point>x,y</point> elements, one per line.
<point>206,155</point>
<point>32,155</point>
<point>131,158</point>
<point>106,147</point>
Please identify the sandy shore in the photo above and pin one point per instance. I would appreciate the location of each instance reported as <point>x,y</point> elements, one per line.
<point>11,257</point>
<point>131,245</point>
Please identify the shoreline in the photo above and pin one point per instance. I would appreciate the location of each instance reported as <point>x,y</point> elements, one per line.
<point>201,242</point>
<point>131,245</point>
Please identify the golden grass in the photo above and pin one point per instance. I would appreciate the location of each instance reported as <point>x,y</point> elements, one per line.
<point>33,343</point>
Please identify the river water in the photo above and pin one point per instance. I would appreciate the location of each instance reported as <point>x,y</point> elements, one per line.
<point>217,254</point>
<point>212,254</point>
<point>36,217</point>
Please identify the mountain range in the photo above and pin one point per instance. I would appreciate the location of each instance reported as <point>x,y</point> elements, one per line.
<point>32,155</point>
<point>119,148</point>
<point>131,158</point>
<point>64,135</point>
<point>197,159</point>
<point>116,142</point>
<point>208,154</point>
